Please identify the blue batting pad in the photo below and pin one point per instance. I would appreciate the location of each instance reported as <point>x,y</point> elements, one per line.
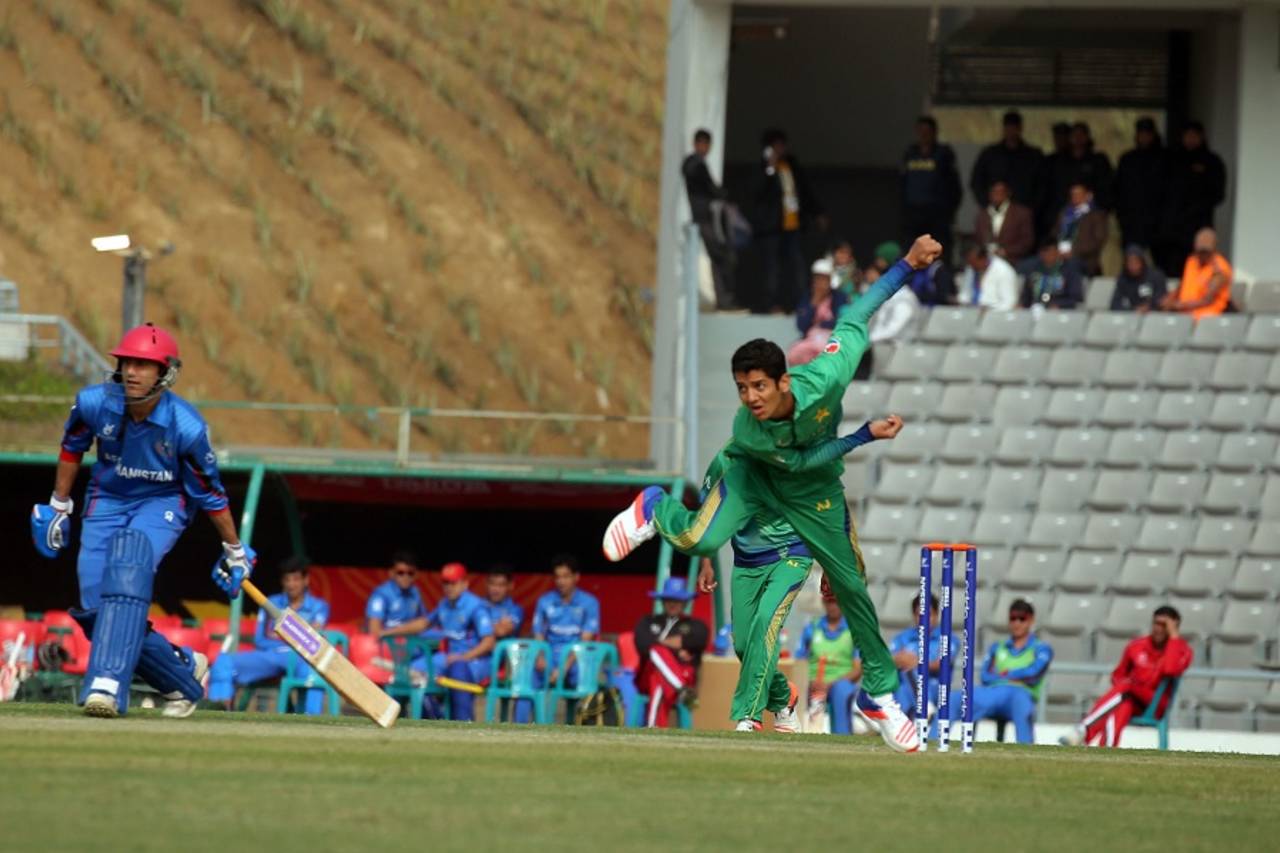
<point>121,624</point>
<point>166,667</point>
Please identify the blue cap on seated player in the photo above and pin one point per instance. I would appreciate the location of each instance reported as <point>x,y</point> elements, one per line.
<point>676,589</point>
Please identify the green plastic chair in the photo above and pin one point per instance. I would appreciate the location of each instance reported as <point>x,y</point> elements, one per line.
<point>520,659</point>
<point>590,659</point>
<point>403,651</point>
<point>292,681</point>
<point>1148,718</point>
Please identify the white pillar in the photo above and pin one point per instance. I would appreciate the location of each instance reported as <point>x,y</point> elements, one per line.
<point>697,84</point>
<point>1257,178</point>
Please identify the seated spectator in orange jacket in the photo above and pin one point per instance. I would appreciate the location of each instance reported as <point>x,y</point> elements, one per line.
<point>1004,226</point>
<point>1145,663</point>
<point>1205,290</point>
<point>1082,230</point>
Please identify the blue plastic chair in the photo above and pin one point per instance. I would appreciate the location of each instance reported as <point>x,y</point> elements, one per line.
<point>403,651</point>
<point>293,681</point>
<point>1148,717</point>
<point>589,659</point>
<point>519,658</point>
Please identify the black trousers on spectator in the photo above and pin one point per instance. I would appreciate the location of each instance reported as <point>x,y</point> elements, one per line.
<point>722,260</point>
<point>783,269</point>
<point>931,221</point>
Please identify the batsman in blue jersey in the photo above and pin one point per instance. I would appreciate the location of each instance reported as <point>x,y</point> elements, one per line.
<point>271,657</point>
<point>462,620</point>
<point>562,617</point>
<point>154,468</point>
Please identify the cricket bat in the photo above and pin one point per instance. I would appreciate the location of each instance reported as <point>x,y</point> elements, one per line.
<point>339,672</point>
<point>9,669</point>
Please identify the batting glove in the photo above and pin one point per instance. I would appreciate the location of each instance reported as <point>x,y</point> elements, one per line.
<point>235,564</point>
<point>51,525</point>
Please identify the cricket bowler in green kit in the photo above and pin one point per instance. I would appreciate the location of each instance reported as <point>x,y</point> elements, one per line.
<point>786,417</point>
<point>770,565</point>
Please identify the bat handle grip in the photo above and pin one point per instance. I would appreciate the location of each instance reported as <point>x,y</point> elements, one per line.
<point>255,593</point>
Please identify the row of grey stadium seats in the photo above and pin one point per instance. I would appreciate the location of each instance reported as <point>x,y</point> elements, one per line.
<point>1066,366</point>
<point>1106,330</point>
<point>1156,533</point>
<point>1077,489</point>
<point>1024,405</point>
<point>1143,448</point>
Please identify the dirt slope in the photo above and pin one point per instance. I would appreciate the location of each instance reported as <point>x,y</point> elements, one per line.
<point>373,201</point>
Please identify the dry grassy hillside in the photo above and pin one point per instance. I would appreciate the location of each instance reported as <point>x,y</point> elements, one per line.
<point>373,201</point>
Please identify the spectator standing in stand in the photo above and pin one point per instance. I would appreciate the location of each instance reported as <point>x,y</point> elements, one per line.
<point>783,206</point>
<point>1010,160</point>
<point>1140,186</point>
<point>931,190</point>
<point>704,192</point>
<point>1197,183</point>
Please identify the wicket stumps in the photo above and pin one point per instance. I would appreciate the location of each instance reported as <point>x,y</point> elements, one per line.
<point>969,640</point>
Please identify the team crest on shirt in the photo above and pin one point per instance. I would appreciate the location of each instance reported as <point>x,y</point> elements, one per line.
<point>163,448</point>
<point>832,347</point>
<point>107,429</point>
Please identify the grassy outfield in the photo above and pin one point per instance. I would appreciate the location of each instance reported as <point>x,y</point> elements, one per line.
<point>235,782</point>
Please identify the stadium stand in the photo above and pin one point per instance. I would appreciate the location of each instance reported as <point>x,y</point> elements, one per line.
<point>1106,463</point>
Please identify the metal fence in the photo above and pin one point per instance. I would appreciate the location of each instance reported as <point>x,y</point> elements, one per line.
<point>23,335</point>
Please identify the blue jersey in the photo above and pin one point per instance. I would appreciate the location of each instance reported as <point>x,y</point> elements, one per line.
<point>314,610</point>
<point>464,622</point>
<point>561,622</point>
<point>509,609</point>
<point>393,606</point>
<point>168,454</point>
<point>905,641</point>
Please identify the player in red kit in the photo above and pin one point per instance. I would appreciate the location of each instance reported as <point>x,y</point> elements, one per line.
<point>1161,654</point>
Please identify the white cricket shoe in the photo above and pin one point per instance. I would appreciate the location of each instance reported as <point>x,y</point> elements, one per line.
<point>175,704</point>
<point>748,726</point>
<point>787,721</point>
<point>1075,737</point>
<point>884,714</point>
<point>101,705</point>
<point>632,527</point>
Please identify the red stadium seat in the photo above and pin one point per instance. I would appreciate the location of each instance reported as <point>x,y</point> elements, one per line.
<point>628,657</point>
<point>364,648</point>
<point>215,627</point>
<point>193,638</point>
<point>164,623</point>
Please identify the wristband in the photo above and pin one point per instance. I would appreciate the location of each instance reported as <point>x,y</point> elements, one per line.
<point>62,505</point>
